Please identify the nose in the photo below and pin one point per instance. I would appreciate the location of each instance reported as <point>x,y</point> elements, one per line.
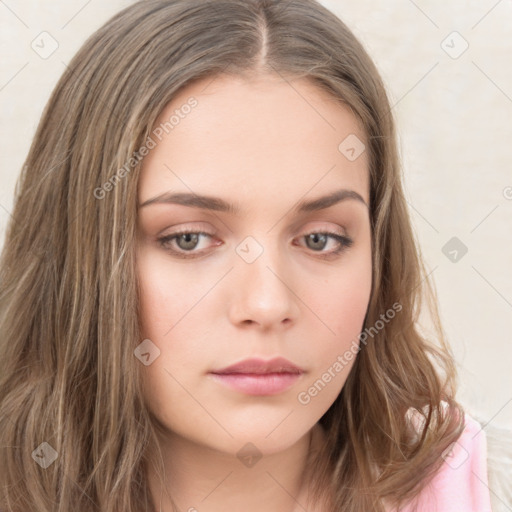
<point>263,294</point>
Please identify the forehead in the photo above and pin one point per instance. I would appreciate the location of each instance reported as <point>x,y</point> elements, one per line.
<point>263,133</point>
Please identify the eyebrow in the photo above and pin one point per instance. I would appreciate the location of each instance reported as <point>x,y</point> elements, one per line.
<point>220,205</point>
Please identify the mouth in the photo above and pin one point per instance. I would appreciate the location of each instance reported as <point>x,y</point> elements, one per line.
<point>260,366</point>
<point>258,383</point>
<point>258,377</point>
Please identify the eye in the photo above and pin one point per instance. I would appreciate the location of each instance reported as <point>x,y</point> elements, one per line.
<point>185,241</point>
<point>318,241</point>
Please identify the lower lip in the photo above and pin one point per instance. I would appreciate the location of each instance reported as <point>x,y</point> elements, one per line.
<point>258,384</point>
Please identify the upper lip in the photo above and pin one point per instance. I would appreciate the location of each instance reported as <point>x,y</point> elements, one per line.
<point>256,365</point>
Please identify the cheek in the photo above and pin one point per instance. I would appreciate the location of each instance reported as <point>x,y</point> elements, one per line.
<point>167,294</point>
<point>343,298</point>
<point>341,305</point>
<point>170,316</point>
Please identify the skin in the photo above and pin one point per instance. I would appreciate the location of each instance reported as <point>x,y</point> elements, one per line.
<point>265,145</point>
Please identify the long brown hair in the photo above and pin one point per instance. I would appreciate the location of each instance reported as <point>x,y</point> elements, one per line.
<point>74,431</point>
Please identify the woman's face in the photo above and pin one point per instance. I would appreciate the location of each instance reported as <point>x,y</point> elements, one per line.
<point>261,280</point>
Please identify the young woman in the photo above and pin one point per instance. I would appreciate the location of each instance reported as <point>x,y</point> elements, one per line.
<point>210,289</point>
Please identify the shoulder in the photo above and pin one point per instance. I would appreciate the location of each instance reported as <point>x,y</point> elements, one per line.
<point>461,484</point>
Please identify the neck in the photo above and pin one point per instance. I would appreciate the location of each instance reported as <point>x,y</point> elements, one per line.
<point>199,478</point>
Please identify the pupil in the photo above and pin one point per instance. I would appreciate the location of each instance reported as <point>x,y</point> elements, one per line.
<point>190,240</point>
<point>315,238</point>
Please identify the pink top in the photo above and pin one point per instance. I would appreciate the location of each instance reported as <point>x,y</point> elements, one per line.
<point>461,483</point>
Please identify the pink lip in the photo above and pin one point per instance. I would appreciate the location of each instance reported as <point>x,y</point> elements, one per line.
<point>259,377</point>
<point>260,366</point>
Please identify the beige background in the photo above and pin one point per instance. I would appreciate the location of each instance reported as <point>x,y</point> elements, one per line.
<point>453,110</point>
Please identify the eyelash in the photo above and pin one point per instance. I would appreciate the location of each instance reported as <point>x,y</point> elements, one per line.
<point>343,241</point>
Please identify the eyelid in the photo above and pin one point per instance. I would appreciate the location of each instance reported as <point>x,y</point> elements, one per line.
<point>195,227</point>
